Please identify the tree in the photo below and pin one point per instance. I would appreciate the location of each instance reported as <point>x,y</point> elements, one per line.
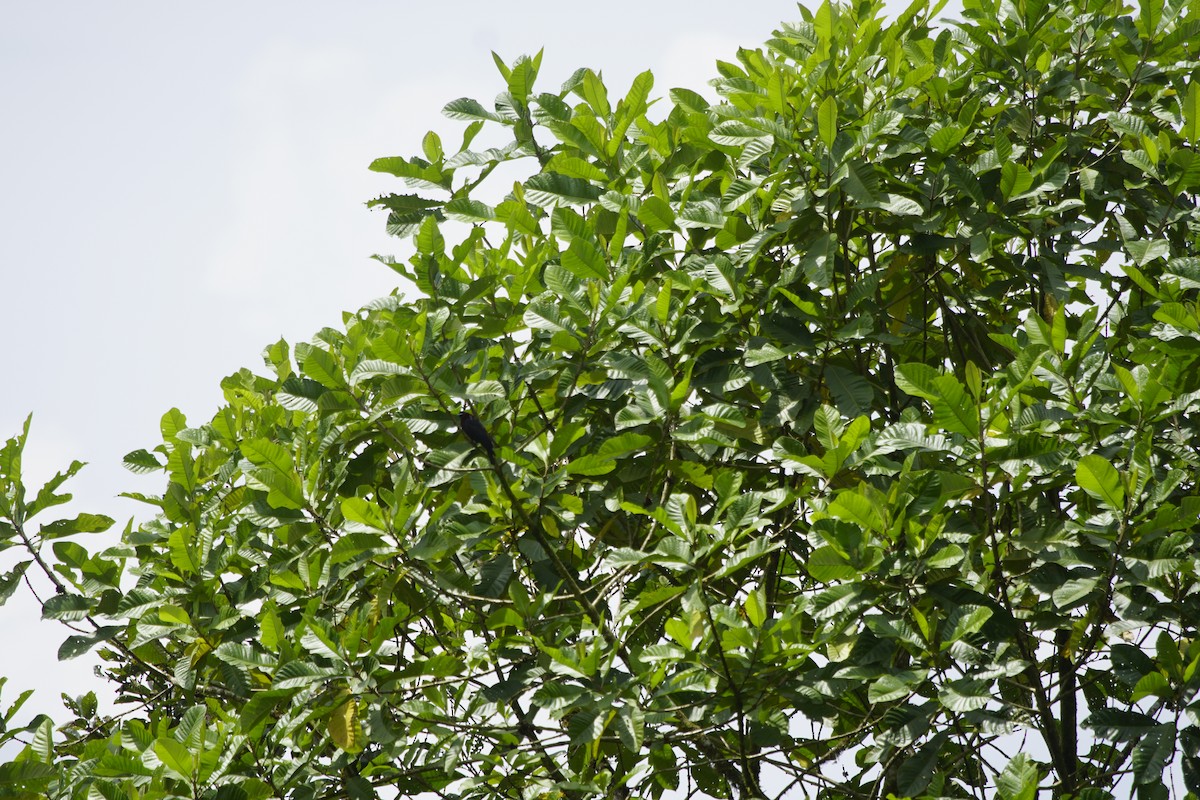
<point>846,446</point>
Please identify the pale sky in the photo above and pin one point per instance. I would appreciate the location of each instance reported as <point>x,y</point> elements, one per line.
<point>182,184</point>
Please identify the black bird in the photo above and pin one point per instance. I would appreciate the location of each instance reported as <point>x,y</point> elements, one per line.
<point>473,429</point>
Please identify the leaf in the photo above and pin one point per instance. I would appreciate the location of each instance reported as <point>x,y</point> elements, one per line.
<point>1128,124</point>
<point>1117,725</point>
<point>953,410</point>
<point>827,423</point>
<point>898,204</point>
<point>320,365</point>
<point>964,695</point>
<point>549,189</point>
<point>827,119</point>
<point>67,607</point>
<point>1072,591</point>
<point>467,109</point>
<point>355,544</point>
<point>826,566</point>
<point>968,620</point>
<point>12,579</point>
<point>245,656</point>
<point>688,99</point>
<point>1019,780</point>
<point>593,91</point>
<point>764,354</point>
<point>630,725</point>
<point>84,523</point>
<point>917,380</point>
<point>736,133</point>
<point>1101,480</point>
<point>465,209</point>
<point>76,646</point>
<point>1191,113</point>
<point>364,512</point>
<point>916,772</point>
<point>403,203</point>
<point>175,757</point>
<point>857,509</point>
<point>545,313</point>
<point>265,453</point>
<point>344,727</point>
<point>257,710</point>
<point>945,139</point>
<point>701,214</point>
<point>1015,179</point>
<point>1146,250</point>
<point>1152,754</point>
<point>585,260</point>
<point>574,167</point>
<point>141,462</point>
<point>851,391</point>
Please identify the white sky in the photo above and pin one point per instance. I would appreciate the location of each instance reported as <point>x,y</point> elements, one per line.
<point>182,184</point>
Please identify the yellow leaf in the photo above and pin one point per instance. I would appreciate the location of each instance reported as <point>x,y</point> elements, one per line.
<point>344,727</point>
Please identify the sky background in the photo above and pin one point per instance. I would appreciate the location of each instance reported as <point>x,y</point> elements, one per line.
<point>183,184</point>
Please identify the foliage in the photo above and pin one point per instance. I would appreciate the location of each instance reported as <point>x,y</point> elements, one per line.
<point>846,445</point>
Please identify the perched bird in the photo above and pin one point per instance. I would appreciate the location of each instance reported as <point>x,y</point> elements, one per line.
<point>473,429</point>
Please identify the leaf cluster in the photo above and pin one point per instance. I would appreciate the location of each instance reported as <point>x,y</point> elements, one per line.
<point>846,439</point>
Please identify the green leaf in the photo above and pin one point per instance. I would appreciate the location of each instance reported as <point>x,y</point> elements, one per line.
<point>355,544</point>
<point>656,214</point>
<point>968,620</point>
<point>1191,113</point>
<point>1015,179</point>
<point>1128,124</point>
<point>465,209</point>
<point>265,453</point>
<point>1101,480</point>
<point>1153,684</point>
<point>142,462</point>
<point>84,523</point>
<point>1120,726</point>
<point>403,204</point>
<point>916,773</point>
<point>1153,753</point>
<point>736,133</point>
<point>1073,591</point>
<point>1019,780</point>
<point>826,566</point>
<point>585,260</point>
<point>175,757</point>
<point>918,380</point>
<point>75,646</point>
<point>630,724</point>
<point>467,109</point>
<point>320,365</point>
<point>945,139</point>
<point>858,509</point>
<point>10,580</point>
<point>888,688</point>
<point>67,607</point>
<point>963,696</point>
<point>592,90</point>
<point>827,121</point>
<point>549,190</point>
<point>364,512</point>
<point>827,423</point>
<point>701,214</point>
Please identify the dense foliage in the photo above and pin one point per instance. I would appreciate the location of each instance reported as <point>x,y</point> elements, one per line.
<point>847,439</point>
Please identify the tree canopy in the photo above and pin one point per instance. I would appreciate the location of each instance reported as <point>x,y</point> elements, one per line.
<point>846,444</point>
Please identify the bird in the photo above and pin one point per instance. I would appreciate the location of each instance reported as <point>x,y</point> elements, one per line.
<point>473,429</point>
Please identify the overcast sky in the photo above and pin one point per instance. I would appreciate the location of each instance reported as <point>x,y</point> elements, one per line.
<point>183,184</point>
